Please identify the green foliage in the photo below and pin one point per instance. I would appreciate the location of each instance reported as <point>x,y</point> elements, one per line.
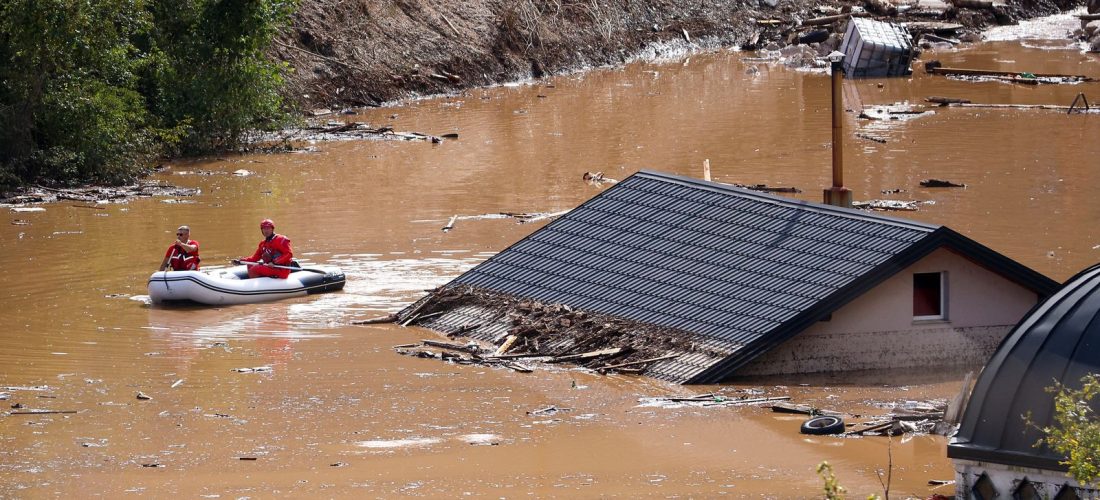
<point>208,74</point>
<point>833,489</point>
<point>1076,431</point>
<point>97,90</point>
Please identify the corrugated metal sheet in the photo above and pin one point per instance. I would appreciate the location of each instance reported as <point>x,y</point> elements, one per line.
<point>736,269</point>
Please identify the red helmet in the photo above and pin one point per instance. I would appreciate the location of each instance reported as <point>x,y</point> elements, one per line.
<point>267,223</point>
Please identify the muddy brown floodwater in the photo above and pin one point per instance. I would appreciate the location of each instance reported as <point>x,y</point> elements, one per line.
<point>341,415</point>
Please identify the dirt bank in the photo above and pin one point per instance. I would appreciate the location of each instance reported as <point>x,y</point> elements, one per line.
<point>363,53</point>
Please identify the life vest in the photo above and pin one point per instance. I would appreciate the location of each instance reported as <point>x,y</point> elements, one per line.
<point>181,260</point>
<point>274,250</point>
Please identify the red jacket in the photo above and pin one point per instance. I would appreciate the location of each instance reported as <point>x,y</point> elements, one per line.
<point>275,250</point>
<point>183,261</point>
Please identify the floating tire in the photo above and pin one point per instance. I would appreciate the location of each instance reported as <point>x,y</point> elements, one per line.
<point>823,425</point>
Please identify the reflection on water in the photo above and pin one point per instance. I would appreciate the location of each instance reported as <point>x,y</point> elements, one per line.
<point>75,320</point>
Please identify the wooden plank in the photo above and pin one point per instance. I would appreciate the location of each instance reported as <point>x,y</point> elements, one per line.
<point>643,361</point>
<point>448,345</point>
<point>735,402</point>
<point>389,318</point>
<point>587,355</point>
<point>42,412</point>
<point>506,345</point>
<point>941,70</point>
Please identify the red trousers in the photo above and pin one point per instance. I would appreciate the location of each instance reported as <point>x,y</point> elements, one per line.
<point>267,272</point>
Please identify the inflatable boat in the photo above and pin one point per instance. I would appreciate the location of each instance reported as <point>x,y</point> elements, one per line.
<point>232,285</point>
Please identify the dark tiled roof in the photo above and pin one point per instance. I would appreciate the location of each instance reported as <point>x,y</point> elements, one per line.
<point>742,271</point>
<point>1058,340</point>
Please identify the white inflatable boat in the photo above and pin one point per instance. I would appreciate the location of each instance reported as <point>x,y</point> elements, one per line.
<point>232,286</point>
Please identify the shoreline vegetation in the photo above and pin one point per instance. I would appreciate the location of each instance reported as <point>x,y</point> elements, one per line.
<point>99,92</point>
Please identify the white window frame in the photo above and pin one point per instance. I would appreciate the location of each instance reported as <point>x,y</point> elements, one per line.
<point>943,299</point>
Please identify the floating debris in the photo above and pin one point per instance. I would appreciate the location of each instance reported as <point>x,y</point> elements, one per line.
<point>598,179</point>
<point>258,369</point>
<point>938,183</point>
<point>885,205</point>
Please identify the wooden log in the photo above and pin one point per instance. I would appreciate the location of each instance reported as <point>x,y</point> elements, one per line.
<point>517,367</point>
<point>518,356</point>
<point>881,7</point>
<point>802,410</point>
<point>946,100</point>
<point>973,4</point>
<point>448,345</point>
<point>702,398</point>
<point>448,21</point>
<point>1011,106</point>
<point>506,345</point>
<point>405,346</point>
<point>389,318</point>
<point>586,355</point>
<point>412,313</point>
<point>41,412</point>
<point>941,70</point>
<point>819,21</point>
<point>450,224</point>
<point>639,362</point>
<point>706,170</point>
<point>874,428</point>
<point>937,183</point>
<point>408,321</point>
<point>735,402</point>
<point>465,328</point>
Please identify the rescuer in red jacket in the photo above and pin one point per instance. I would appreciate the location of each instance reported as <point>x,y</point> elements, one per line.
<point>183,255</point>
<point>273,250</point>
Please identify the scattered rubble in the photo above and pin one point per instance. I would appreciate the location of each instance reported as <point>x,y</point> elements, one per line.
<point>343,131</point>
<point>92,194</point>
<point>548,333</point>
<point>890,205</point>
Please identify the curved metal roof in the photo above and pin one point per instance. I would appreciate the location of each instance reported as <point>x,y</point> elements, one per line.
<point>1059,340</point>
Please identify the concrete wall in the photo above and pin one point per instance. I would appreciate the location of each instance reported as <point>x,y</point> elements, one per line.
<point>877,330</point>
<point>1006,479</point>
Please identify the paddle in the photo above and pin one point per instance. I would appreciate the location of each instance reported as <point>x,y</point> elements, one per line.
<point>318,271</point>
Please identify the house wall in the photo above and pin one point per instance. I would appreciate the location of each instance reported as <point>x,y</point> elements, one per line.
<point>1006,479</point>
<point>877,330</point>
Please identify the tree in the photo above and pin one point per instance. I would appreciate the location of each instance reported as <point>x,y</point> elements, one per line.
<point>68,109</point>
<point>95,91</point>
<point>209,74</point>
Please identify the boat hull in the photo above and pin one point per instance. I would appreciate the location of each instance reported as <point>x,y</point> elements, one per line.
<point>231,286</point>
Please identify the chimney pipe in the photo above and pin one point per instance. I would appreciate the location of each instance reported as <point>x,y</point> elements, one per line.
<point>838,194</point>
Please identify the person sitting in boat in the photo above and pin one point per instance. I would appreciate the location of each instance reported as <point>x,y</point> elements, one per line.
<point>183,255</point>
<point>274,250</point>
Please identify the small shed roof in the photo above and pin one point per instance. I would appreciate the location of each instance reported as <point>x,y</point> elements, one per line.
<point>1059,340</point>
<point>740,270</point>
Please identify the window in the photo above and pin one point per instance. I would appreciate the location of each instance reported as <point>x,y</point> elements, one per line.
<point>983,488</point>
<point>929,295</point>
<point>1026,491</point>
<point>1067,493</point>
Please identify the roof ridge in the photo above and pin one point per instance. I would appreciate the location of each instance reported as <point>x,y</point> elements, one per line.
<point>789,202</point>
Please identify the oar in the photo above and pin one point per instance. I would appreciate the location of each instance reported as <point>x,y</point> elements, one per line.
<point>318,271</point>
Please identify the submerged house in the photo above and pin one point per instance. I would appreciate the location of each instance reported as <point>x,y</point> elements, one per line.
<point>994,452</point>
<point>746,283</point>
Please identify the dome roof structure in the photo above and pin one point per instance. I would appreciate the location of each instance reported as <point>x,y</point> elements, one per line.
<point>1058,341</point>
